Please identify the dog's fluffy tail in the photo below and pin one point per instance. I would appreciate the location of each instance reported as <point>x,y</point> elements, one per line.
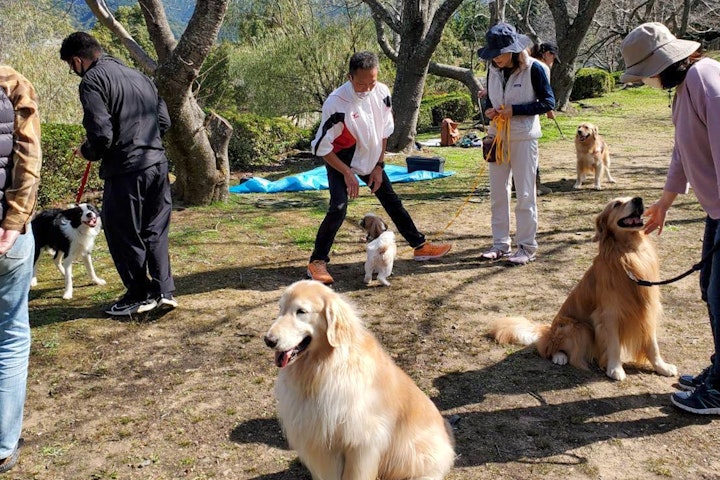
<point>517,330</point>
<point>386,242</point>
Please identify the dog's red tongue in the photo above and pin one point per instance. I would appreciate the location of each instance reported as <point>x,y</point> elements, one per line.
<point>282,358</point>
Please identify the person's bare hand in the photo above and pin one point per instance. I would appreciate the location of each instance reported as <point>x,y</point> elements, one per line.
<point>551,115</point>
<point>375,180</point>
<point>505,112</point>
<point>654,218</point>
<point>352,184</point>
<point>491,113</point>
<point>7,240</point>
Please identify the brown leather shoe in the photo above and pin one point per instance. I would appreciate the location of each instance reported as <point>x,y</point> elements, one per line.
<point>317,270</point>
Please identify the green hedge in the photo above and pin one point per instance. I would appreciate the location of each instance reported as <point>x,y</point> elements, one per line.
<point>591,82</point>
<point>433,109</point>
<point>62,172</point>
<point>258,141</point>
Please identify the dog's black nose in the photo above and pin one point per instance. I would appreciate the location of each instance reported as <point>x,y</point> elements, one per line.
<point>270,341</point>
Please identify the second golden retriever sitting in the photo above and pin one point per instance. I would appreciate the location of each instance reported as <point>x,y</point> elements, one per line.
<point>344,405</point>
<point>607,318</point>
<point>592,155</point>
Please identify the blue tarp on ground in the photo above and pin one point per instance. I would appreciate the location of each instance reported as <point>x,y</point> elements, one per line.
<point>316,179</point>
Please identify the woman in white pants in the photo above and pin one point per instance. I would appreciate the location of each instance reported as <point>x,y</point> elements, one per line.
<point>518,92</point>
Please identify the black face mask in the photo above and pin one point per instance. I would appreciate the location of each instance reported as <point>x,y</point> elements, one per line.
<point>81,72</point>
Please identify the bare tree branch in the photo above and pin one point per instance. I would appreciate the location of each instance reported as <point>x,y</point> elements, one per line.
<point>103,14</point>
<point>158,28</point>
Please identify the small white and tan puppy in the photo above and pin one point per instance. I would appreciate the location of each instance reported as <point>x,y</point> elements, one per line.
<point>380,247</point>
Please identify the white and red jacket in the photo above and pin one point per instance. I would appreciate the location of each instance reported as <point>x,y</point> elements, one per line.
<point>348,121</point>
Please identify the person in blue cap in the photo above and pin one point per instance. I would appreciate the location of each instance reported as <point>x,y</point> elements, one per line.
<point>518,91</point>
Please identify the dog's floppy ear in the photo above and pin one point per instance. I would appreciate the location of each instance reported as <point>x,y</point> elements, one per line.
<point>374,226</point>
<point>339,316</point>
<point>601,223</point>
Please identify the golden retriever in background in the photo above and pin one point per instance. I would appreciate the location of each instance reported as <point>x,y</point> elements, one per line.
<point>607,317</point>
<point>345,407</point>
<point>592,155</point>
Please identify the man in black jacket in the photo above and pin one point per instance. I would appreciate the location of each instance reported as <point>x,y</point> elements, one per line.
<point>124,119</point>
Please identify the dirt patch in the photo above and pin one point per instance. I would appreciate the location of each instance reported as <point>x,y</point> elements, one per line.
<point>189,394</point>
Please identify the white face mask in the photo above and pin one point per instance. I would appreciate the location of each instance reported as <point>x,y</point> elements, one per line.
<point>362,95</point>
<point>653,82</point>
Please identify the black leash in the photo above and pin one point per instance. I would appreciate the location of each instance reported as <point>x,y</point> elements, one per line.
<point>695,268</point>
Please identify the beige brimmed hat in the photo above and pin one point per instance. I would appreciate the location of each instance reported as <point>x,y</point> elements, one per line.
<point>651,48</point>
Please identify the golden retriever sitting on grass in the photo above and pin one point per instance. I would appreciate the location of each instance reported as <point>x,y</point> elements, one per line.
<point>345,407</point>
<point>607,317</point>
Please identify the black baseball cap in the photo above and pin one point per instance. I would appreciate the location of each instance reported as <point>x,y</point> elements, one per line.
<point>552,48</point>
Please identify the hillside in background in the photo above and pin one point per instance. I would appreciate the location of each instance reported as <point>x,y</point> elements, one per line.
<point>178,11</point>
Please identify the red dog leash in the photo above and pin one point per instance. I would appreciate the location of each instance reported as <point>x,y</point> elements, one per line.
<point>83,183</point>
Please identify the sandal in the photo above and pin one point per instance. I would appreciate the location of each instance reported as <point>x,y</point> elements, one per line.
<point>494,254</point>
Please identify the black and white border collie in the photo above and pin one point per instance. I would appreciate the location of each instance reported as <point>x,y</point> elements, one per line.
<point>69,235</point>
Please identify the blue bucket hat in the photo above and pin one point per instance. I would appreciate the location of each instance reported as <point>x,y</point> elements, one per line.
<point>503,38</point>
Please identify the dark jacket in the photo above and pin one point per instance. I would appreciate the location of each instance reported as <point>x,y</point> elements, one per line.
<point>7,118</point>
<point>124,118</point>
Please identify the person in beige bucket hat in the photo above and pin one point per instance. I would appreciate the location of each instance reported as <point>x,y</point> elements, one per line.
<point>653,54</point>
<point>651,48</point>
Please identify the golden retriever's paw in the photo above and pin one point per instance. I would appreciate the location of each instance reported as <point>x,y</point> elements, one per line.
<point>598,187</point>
<point>67,295</point>
<point>560,358</point>
<point>384,281</point>
<point>666,369</point>
<point>577,185</point>
<point>367,280</point>
<point>617,373</point>
<point>99,281</point>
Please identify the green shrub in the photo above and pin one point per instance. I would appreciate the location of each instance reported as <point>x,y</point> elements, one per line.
<point>62,172</point>
<point>590,83</point>
<point>433,109</point>
<point>258,141</point>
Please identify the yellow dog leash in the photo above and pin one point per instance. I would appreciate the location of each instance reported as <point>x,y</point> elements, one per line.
<point>501,142</point>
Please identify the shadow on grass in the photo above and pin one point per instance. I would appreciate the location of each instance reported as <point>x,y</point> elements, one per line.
<point>268,432</point>
<point>530,434</point>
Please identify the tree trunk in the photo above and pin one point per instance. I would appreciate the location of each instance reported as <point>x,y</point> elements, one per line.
<point>419,29</point>
<point>407,94</point>
<point>569,33</point>
<point>196,144</point>
<point>220,133</point>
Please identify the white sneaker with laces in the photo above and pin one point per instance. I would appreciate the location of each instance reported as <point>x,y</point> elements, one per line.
<point>521,257</point>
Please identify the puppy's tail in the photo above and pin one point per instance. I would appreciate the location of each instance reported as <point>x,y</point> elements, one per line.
<point>517,330</point>
<point>387,243</point>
